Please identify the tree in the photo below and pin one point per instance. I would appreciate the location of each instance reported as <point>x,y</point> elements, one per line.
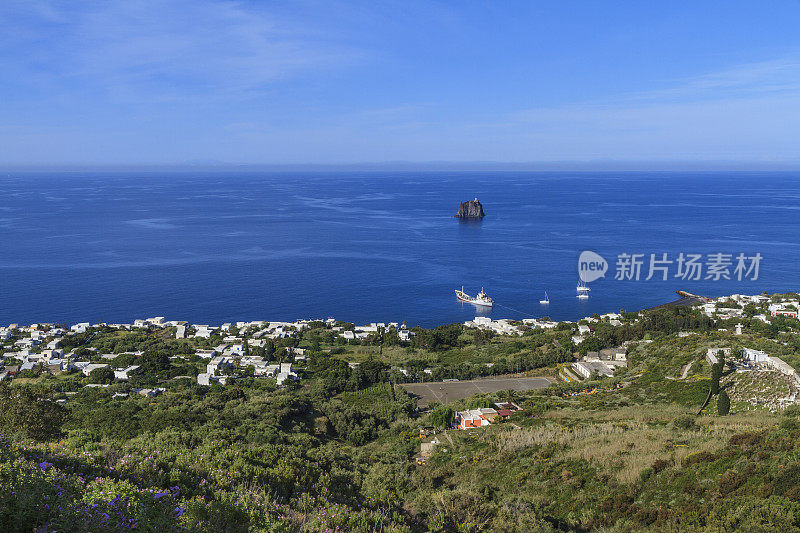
<point>31,412</point>
<point>102,375</point>
<point>723,403</point>
<point>269,350</point>
<point>442,417</point>
<point>716,374</point>
<point>482,336</point>
<point>590,344</point>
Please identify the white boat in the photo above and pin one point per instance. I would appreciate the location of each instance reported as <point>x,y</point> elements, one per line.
<point>583,295</point>
<point>583,287</point>
<point>480,299</point>
<point>546,299</point>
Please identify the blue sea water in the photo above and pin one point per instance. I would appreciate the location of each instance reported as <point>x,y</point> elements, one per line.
<point>213,247</point>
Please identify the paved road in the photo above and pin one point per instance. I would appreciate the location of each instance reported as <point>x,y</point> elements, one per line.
<point>450,391</point>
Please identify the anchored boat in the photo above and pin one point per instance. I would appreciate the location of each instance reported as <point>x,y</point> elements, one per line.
<point>480,299</point>
<point>546,299</point>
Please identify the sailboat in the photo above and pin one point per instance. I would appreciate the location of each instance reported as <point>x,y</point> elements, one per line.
<point>546,299</point>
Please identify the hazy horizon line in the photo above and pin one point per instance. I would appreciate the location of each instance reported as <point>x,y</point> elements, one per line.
<point>577,165</point>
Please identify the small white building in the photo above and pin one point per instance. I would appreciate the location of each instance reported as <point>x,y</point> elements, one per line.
<point>267,370</point>
<point>587,368</point>
<point>124,374</point>
<point>204,331</point>
<point>787,309</point>
<point>86,370</point>
<point>405,335</point>
<point>218,363</point>
<point>754,356</point>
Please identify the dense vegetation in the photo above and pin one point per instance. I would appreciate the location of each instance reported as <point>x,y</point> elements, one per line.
<point>336,451</point>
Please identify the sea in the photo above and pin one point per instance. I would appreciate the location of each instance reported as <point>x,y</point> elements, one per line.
<point>382,246</point>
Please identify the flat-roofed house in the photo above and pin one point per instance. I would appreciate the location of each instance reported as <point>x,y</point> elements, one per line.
<point>754,356</point>
<point>475,418</point>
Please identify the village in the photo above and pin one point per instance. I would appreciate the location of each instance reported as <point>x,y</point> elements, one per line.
<point>220,355</point>
<point>39,348</point>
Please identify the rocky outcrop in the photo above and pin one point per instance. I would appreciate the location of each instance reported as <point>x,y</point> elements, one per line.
<point>471,209</point>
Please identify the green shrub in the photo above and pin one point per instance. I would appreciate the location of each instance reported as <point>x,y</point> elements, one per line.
<point>30,412</point>
<point>684,422</point>
<point>792,411</point>
<point>729,482</point>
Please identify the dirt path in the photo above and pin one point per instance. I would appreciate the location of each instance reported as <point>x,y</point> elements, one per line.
<point>449,438</point>
<point>685,371</point>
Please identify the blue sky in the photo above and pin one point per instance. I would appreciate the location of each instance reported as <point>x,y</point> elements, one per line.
<point>170,82</point>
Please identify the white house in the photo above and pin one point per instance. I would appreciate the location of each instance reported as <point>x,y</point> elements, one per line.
<point>204,331</point>
<point>754,356</point>
<point>218,363</point>
<point>86,370</point>
<point>285,373</point>
<point>475,418</point>
<point>586,368</point>
<point>124,374</point>
<point>282,377</point>
<point>782,309</point>
<point>267,370</point>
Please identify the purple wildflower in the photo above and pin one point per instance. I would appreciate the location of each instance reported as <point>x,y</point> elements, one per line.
<point>44,465</point>
<point>178,512</point>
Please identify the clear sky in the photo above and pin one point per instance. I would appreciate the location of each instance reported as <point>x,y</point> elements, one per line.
<point>170,82</point>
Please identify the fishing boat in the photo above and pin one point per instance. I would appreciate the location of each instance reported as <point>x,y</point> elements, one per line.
<point>546,299</point>
<point>582,295</point>
<point>583,287</point>
<point>480,299</point>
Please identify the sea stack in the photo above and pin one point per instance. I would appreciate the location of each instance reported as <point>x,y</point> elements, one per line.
<point>471,209</point>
